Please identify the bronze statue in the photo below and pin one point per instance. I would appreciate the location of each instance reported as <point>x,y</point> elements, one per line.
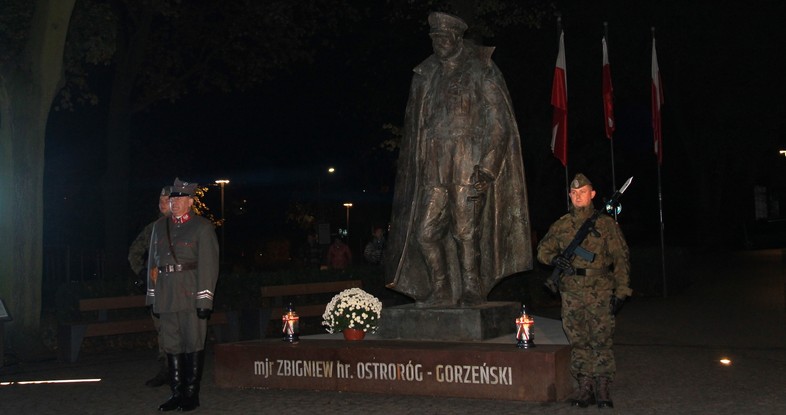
<point>460,220</point>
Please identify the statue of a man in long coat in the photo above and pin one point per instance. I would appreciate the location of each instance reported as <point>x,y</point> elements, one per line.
<point>460,221</point>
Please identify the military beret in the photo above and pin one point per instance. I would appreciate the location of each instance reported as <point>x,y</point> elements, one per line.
<point>446,23</point>
<point>181,188</point>
<point>166,190</point>
<point>580,181</point>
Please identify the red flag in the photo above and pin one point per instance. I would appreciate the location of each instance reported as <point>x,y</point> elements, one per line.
<point>657,102</point>
<point>559,100</point>
<point>608,93</point>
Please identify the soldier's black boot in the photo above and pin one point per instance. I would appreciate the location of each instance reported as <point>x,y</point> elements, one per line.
<point>175,363</point>
<point>604,396</point>
<point>194,362</point>
<point>586,394</point>
<point>162,376</point>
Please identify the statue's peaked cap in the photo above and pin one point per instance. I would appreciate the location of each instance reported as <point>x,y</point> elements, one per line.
<point>443,22</point>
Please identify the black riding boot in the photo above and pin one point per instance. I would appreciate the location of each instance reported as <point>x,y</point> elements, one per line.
<point>604,396</point>
<point>586,394</point>
<point>175,363</point>
<point>162,376</point>
<point>193,376</point>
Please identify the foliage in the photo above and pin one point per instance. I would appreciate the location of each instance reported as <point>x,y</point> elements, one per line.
<point>14,27</point>
<point>393,142</point>
<point>485,18</point>
<point>302,215</point>
<point>352,309</point>
<point>201,208</point>
<point>198,46</point>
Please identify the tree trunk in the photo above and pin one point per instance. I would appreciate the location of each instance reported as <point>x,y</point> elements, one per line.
<point>27,88</point>
<point>131,49</point>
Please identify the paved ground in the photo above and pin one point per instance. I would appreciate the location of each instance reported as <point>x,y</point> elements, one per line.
<point>667,349</point>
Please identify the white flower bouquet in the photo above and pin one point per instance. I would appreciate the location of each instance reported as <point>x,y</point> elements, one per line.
<point>352,309</point>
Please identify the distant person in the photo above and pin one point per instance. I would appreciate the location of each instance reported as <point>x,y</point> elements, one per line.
<point>375,247</point>
<point>183,264</point>
<point>311,252</point>
<point>592,291</point>
<point>137,257</point>
<point>339,255</point>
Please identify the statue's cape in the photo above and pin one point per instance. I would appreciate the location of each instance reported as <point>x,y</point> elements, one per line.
<point>505,244</point>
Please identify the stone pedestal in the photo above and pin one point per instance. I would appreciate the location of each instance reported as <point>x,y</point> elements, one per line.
<point>486,321</point>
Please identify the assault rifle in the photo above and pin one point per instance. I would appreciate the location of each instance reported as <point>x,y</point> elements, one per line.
<point>574,248</point>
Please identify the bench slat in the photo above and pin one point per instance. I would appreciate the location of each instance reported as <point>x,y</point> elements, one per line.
<point>275,294</point>
<point>312,310</point>
<point>70,336</point>
<point>309,288</point>
<point>109,328</point>
<point>112,303</point>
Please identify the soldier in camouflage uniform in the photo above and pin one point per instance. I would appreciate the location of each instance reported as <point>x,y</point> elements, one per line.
<point>592,292</point>
<point>183,264</point>
<point>137,257</point>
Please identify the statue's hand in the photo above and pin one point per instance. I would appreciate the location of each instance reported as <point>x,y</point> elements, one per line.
<point>481,180</point>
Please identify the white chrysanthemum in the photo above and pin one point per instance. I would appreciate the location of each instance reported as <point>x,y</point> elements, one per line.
<point>352,308</point>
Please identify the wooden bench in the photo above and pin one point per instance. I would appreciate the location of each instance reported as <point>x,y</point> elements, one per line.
<point>71,335</point>
<point>276,297</point>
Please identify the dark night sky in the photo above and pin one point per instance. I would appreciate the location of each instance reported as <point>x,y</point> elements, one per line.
<point>718,65</point>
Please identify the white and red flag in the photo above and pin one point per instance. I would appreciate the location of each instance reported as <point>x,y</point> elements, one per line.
<point>559,100</point>
<point>608,94</point>
<point>657,103</point>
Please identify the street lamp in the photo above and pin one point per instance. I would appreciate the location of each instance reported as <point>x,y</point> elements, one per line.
<point>329,170</point>
<point>782,152</point>
<point>348,205</point>
<point>222,183</point>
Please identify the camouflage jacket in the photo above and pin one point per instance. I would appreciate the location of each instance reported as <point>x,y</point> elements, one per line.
<point>137,253</point>
<point>609,246</point>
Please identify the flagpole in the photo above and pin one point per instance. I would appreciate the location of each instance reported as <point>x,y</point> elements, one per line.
<point>567,179</point>
<point>658,159</point>
<point>662,240</point>
<point>567,188</point>
<point>611,133</point>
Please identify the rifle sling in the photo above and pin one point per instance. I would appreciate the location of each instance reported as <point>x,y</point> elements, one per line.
<point>582,233</point>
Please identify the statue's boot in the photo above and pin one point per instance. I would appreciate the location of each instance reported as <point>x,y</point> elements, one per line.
<point>441,295</point>
<point>470,279</point>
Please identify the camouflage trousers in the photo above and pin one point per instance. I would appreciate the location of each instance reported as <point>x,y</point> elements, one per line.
<point>589,325</point>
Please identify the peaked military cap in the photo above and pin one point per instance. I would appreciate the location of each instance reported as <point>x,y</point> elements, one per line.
<point>166,190</point>
<point>446,23</point>
<point>580,181</point>
<point>181,188</point>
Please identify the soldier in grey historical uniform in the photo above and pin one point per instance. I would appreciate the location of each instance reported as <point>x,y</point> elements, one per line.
<point>592,291</point>
<point>183,264</point>
<point>460,221</point>
<point>137,257</point>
